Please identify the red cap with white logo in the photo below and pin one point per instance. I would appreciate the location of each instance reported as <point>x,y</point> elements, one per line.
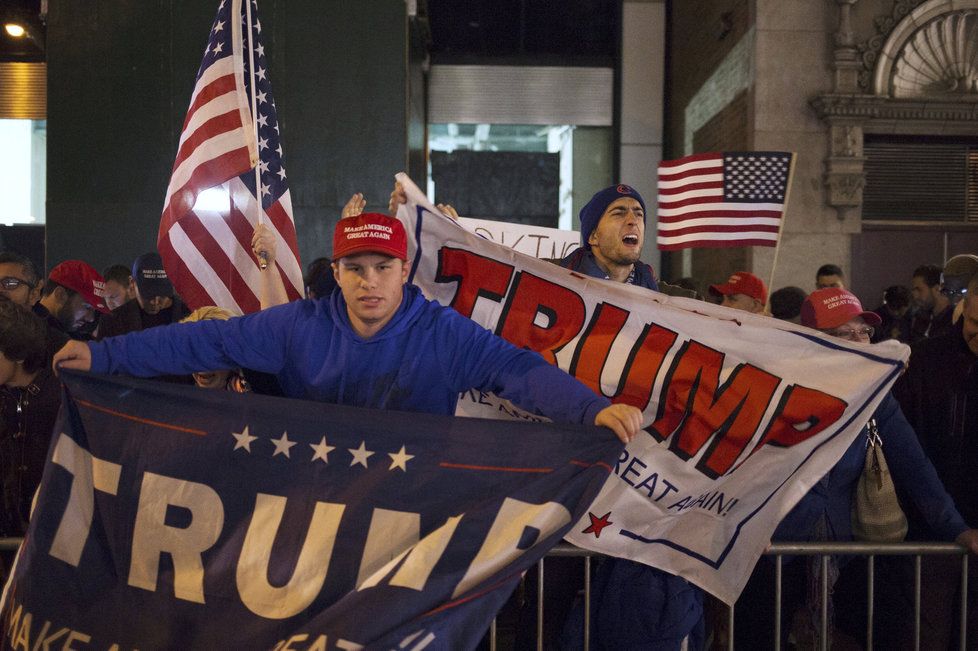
<point>370,232</point>
<point>832,307</point>
<point>81,277</point>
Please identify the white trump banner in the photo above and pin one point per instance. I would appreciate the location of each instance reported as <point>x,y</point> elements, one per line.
<point>536,241</point>
<point>743,413</point>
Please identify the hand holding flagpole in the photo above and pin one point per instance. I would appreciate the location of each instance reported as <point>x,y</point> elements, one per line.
<point>223,154</point>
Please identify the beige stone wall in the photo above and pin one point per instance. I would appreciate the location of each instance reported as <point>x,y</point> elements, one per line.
<point>786,75</point>
<point>781,52</point>
<point>703,34</point>
<point>793,64</point>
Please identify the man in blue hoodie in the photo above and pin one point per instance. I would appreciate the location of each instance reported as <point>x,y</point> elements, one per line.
<point>378,342</point>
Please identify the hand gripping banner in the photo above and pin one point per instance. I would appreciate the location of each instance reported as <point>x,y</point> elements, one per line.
<point>176,517</point>
<point>743,413</point>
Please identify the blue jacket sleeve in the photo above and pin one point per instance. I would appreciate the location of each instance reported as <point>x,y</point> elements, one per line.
<point>913,473</point>
<point>492,364</point>
<point>257,341</point>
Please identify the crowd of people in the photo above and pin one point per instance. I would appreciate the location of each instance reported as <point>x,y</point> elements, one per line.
<point>367,337</point>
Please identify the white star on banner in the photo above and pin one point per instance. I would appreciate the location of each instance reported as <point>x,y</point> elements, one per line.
<point>218,48</point>
<point>260,50</point>
<point>261,73</point>
<point>263,120</point>
<point>282,445</point>
<point>261,97</point>
<point>219,26</point>
<point>258,26</point>
<point>321,450</point>
<point>263,166</point>
<point>243,439</point>
<point>400,459</point>
<point>360,454</point>
<point>263,144</point>
<point>265,189</point>
<point>281,173</point>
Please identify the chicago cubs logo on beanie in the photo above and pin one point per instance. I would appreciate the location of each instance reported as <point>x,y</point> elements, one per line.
<point>369,232</point>
<point>592,211</point>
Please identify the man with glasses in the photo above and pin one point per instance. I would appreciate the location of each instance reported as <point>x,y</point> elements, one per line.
<point>19,280</point>
<point>958,271</point>
<point>835,311</point>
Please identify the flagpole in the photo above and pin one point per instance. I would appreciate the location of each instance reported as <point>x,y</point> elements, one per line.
<point>262,255</point>
<point>784,217</point>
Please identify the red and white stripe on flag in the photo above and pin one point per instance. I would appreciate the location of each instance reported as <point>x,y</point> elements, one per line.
<point>722,199</point>
<point>206,246</point>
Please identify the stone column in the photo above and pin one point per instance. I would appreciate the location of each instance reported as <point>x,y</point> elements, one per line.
<point>642,82</point>
<point>844,175</point>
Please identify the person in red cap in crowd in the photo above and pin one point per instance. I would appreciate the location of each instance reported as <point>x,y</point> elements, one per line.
<point>742,291</point>
<point>825,513</point>
<point>70,297</point>
<point>377,342</point>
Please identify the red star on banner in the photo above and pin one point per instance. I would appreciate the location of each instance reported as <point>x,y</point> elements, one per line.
<point>597,524</point>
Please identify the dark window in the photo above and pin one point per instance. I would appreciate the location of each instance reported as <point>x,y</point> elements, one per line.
<point>921,179</point>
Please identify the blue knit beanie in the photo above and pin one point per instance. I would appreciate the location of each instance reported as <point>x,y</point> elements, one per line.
<point>591,213</point>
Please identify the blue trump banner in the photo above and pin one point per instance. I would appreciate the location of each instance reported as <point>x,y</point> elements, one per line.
<point>175,517</point>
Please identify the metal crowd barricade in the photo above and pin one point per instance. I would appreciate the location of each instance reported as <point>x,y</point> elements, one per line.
<point>825,550</point>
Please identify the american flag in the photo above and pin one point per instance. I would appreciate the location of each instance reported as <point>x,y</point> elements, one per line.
<point>722,199</point>
<point>210,211</point>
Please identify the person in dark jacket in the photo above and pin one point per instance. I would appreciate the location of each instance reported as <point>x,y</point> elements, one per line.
<point>70,298</point>
<point>30,396</point>
<point>932,309</point>
<point>939,395</point>
<point>155,303</point>
<point>825,513</point>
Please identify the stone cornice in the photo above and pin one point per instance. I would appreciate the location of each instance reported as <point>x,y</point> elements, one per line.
<point>872,107</point>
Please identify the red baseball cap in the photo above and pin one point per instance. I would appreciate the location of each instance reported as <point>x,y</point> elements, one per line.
<point>832,307</point>
<point>369,232</point>
<point>742,282</point>
<point>81,277</point>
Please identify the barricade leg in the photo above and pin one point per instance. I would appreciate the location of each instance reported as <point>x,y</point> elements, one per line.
<point>587,603</point>
<point>540,605</point>
<point>870,599</point>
